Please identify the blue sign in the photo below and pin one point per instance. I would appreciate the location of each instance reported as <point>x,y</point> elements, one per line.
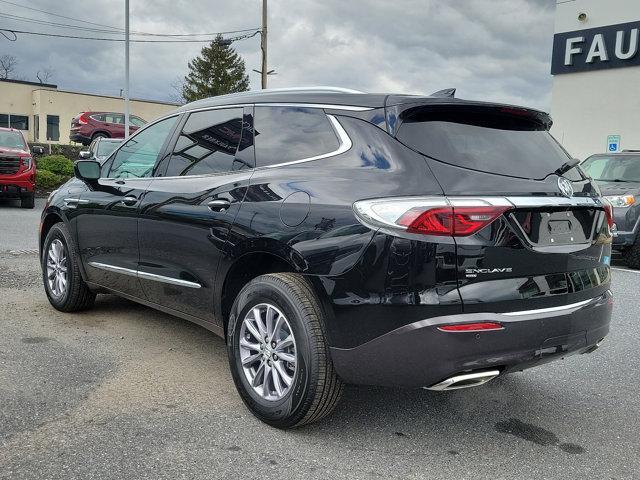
<point>613,143</point>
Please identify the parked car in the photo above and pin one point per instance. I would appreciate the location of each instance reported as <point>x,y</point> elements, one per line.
<point>17,168</point>
<point>88,126</point>
<point>334,237</point>
<point>618,176</point>
<point>100,149</point>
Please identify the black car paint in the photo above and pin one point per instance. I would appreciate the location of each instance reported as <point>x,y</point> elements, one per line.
<point>376,287</point>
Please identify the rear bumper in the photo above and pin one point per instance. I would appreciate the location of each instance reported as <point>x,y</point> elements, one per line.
<point>79,138</point>
<point>420,355</point>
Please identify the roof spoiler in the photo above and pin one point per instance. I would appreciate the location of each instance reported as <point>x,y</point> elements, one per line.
<point>446,93</point>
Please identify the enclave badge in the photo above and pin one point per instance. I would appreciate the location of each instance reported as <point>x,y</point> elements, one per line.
<point>565,187</point>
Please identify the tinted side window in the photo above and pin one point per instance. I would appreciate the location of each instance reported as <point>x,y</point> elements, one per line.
<point>137,157</point>
<point>207,144</point>
<point>285,134</point>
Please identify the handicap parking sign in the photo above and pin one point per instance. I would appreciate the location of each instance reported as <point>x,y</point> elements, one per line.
<point>613,143</point>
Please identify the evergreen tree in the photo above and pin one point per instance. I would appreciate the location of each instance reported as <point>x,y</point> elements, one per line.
<point>218,70</point>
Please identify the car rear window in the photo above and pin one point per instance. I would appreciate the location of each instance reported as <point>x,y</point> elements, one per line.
<point>491,141</point>
<point>618,168</point>
<point>12,140</point>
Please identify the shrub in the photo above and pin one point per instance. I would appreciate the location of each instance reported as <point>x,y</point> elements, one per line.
<point>57,164</point>
<point>48,180</point>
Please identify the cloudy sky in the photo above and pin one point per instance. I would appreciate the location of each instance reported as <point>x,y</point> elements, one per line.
<point>489,49</point>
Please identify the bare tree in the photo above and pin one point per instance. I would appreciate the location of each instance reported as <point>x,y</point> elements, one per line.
<point>45,74</point>
<point>177,87</point>
<point>8,64</point>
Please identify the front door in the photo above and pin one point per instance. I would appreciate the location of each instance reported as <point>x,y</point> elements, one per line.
<point>187,212</point>
<point>107,212</point>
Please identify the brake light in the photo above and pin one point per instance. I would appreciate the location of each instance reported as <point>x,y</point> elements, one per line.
<point>472,327</point>
<point>453,216</point>
<point>83,119</point>
<point>455,221</point>
<point>608,210</point>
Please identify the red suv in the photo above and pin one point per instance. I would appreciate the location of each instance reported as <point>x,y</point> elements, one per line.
<point>88,126</point>
<point>17,168</point>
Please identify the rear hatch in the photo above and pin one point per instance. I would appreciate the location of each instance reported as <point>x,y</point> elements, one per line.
<point>549,244</point>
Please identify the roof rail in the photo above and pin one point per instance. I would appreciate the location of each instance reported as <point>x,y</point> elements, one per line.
<point>312,89</point>
<point>447,92</point>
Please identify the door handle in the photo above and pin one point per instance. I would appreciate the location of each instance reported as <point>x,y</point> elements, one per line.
<point>129,200</point>
<point>218,205</point>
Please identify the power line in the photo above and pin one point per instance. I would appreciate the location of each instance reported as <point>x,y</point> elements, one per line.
<point>57,15</point>
<point>112,29</point>
<point>77,37</point>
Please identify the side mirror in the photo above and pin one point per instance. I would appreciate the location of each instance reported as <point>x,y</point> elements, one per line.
<point>37,150</point>
<point>85,154</point>
<point>87,170</point>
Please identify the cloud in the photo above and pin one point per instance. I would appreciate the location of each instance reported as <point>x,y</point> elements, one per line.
<point>489,49</point>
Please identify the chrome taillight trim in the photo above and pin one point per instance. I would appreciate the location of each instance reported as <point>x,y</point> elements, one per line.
<point>366,212</point>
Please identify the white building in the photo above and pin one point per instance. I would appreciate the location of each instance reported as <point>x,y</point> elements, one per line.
<point>596,67</point>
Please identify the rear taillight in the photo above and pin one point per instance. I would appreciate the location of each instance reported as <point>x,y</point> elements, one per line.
<point>608,210</point>
<point>449,216</point>
<point>83,119</point>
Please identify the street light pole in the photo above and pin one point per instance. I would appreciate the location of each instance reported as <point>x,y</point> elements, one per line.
<point>126,69</point>
<point>263,42</point>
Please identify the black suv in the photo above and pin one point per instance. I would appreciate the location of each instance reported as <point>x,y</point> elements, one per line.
<point>335,237</point>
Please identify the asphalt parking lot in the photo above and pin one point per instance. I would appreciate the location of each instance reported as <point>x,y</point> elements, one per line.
<point>124,391</point>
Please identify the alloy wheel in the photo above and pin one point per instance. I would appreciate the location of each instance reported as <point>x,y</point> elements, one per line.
<point>57,268</point>
<point>268,351</point>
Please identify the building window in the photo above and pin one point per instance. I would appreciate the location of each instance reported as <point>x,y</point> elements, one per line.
<point>53,127</point>
<point>36,128</point>
<point>19,122</point>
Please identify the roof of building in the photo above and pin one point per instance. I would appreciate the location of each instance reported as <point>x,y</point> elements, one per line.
<point>50,86</point>
<point>25,82</point>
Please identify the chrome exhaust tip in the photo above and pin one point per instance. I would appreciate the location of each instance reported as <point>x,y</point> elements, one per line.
<point>466,380</point>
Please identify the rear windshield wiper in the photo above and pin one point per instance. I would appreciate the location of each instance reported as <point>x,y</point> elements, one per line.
<point>567,166</point>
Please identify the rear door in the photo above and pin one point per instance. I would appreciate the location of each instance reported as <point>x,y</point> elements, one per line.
<point>550,242</point>
<point>190,206</point>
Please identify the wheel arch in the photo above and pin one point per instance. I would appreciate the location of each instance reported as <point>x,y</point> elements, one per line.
<point>244,269</point>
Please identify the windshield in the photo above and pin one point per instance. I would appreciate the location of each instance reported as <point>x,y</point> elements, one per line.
<point>484,141</point>
<point>618,168</point>
<point>12,140</point>
<point>105,148</point>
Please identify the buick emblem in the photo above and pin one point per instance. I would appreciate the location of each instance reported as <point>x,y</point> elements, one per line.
<point>565,187</point>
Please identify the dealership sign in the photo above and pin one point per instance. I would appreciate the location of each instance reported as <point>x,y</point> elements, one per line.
<point>613,46</point>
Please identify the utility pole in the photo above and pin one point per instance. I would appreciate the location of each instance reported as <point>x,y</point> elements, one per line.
<point>126,69</point>
<point>263,42</point>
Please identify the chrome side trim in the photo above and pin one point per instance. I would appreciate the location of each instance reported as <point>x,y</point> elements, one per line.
<point>549,309</point>
<point>170,280</point>
<point>113,268</point>
<point>344,145</point>
<point>145,275</point>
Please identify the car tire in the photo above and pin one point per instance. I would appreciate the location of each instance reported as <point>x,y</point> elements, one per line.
<point>28,201</point>
<point>98,135</point>
<point>632,255</point>
<point>60,256</point>
<point>314,389</point>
